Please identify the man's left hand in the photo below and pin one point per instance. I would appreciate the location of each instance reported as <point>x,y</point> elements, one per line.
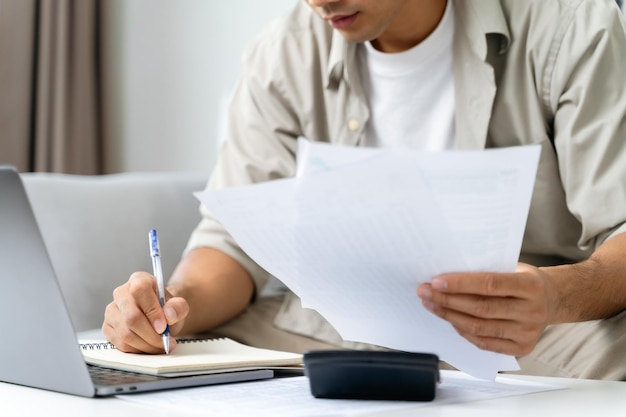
<point>499,312</point>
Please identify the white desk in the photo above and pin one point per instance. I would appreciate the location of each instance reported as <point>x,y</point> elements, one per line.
<point>583,398</point>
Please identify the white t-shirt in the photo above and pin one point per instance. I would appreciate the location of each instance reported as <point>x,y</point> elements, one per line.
<point>411,93</point>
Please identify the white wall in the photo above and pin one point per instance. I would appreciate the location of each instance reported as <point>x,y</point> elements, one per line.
<point>172,61</point>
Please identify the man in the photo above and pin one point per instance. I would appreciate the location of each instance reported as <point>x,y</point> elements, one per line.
<point>430,75</point>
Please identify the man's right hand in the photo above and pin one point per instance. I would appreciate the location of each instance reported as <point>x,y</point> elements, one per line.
<point>134,320</point>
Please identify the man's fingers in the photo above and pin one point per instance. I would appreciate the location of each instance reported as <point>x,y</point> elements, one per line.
<point>135,320</point>
<point>142,289</point>
<point>138,314</point>
<point>503,336</point>
<point>504,308</point>
<point>500,312</point>
<point>176,310</point>
<point>505,346</point>
<point>118,332</point>
<point>489,284</point>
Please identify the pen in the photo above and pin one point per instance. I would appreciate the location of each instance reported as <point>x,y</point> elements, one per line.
<point>158,274</point>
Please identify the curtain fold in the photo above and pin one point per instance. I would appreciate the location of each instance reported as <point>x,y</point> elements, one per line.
<point>50,67</point>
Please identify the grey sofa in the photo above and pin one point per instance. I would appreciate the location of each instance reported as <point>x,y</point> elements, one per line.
<point>96,230</point>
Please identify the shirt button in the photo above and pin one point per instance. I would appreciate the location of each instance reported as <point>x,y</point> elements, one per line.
<point>354,125</point>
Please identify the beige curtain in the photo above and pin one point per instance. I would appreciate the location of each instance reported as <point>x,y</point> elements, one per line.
<point>50,85</point>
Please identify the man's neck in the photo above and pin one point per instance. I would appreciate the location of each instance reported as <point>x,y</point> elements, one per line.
<point>416,22</point>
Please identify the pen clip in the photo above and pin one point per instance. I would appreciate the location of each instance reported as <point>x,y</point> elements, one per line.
<point>154,243</point>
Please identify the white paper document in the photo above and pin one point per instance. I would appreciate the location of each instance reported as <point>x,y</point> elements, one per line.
<point>292,397</point>
<point>358,229</point>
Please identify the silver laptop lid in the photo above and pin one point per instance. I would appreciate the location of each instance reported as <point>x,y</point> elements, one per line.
<point>39,347</point>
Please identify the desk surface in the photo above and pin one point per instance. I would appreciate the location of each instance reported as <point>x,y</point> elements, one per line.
<point>582,398</point>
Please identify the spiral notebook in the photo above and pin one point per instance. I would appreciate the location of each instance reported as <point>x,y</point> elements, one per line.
<point>191,357</point>
<point>42,350</point>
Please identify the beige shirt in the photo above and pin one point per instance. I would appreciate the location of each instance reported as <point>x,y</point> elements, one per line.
<point>526,72</point>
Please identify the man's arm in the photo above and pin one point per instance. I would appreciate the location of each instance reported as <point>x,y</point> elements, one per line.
<point>207,289</point>
<point>216,287</point>
<point>592,289</point>
<point>507,312</point>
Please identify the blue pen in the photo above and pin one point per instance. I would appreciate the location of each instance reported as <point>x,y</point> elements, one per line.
<point>158,274</point>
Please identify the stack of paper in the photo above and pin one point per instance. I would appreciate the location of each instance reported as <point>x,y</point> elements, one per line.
<point>358,229</point>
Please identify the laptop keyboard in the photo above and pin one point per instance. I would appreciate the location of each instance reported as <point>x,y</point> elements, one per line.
<point>106,376</point>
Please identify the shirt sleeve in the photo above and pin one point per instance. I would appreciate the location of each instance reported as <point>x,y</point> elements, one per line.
<point>260,144</point>
<point>589,106</point>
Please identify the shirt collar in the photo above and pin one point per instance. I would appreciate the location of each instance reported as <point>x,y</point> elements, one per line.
<point>340,51</point>
<point>477,18</point>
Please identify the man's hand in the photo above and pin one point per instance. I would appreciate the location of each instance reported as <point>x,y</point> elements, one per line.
<point>500,312</point>
<point>134,320</point>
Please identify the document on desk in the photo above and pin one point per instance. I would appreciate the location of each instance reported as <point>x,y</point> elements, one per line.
<point>358,229</point>
<point>292,397</point>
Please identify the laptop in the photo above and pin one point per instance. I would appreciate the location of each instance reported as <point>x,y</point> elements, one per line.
<point>39,347</point>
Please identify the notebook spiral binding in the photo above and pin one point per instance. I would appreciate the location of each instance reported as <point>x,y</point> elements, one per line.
<point>97,346</point>
<point>109,345</point>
